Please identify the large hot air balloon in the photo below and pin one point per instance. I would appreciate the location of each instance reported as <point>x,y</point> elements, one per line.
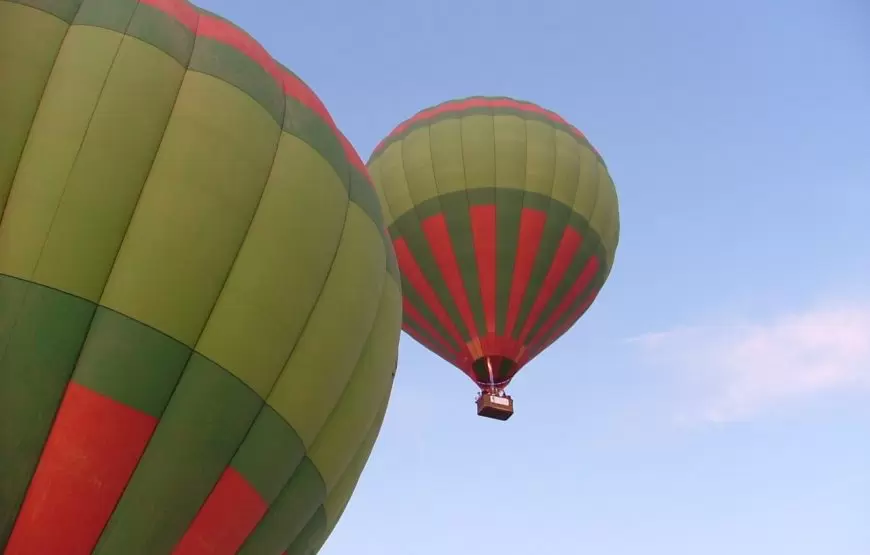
<point>199,304</point>
<point>505,223</point>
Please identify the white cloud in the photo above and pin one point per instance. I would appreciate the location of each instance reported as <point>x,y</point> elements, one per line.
<point>738,371</point>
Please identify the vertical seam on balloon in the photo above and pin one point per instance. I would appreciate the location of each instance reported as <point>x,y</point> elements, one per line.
<point>590,230</point>
<point>598,176</point>
<point>150,168</point>
<point>550,203</point>
<point>577,192</point>
<point>326,496</point>
<point>495,196</point>
<point>470,332</point>
<point>427,315</point>
<point>211,313</point>
<point>368,336</point>
<point>614,232</point>
<point>575,312</point>
<point>373,428</point>
<point>415,211</point>
<point>561,309</point>
<point>320,508</point>
<point>467,288</point>
<point>437,199</point>
<point>14,522</point>
<point>597,196</point>
<point>468,204</point>
<point>394,218</point>
<point>385,229</point>
<point>243,548</point>
<point>287,360</point>
<point>83,139</point>
<point>547,300</point>
<point>510,332</point>
<point>477,258</point>
<point>550,307</point>
<point>364,353</point>
<point>422,289</point>
<point>413,329</point>
<point>302,331</point>
<point>32,283</point>
<point>526,299</point>
<point>571,316</point>
<point>21,156</point>
<point>416,323</point>
<point>38,106</point>
<point>387,196</point>
<point>117,255</point>
<point>591,213</point>
<point>498,277</point>
<point>386,203</point>
<point>573,271</point>
<point>310,313</point>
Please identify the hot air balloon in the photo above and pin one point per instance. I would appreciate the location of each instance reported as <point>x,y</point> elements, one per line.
<point>505,223</point>
<point>199,303</point>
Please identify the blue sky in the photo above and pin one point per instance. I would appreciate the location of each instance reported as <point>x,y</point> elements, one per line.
<point>716,398</point>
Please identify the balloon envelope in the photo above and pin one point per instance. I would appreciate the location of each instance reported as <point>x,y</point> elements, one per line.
<point>505,223</point>
<point>199,305</point>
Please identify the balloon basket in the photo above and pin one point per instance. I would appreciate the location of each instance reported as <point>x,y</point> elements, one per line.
<point>497,407</point>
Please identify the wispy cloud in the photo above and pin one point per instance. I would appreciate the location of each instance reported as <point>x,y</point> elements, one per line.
<point>736,371</point>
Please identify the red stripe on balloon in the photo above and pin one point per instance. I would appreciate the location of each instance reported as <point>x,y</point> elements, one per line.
<point>572,319</point>
<point>531,229</point>
<point>227,518</point>
<point>414,275</point>
<point>411,313</point>
<point>91,452</point>
<point>420,337</point>
<point>579,285</point>
<point>568,246</point>
<point>483,227</point>
<point>555,334</point>
<point>438,237</point>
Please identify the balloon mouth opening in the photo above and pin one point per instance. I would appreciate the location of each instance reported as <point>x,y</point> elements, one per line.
<point>493,373</point>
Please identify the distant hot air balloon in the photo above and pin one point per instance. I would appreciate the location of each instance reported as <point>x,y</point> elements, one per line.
<point>199,305</point>
<point>505,223</point>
